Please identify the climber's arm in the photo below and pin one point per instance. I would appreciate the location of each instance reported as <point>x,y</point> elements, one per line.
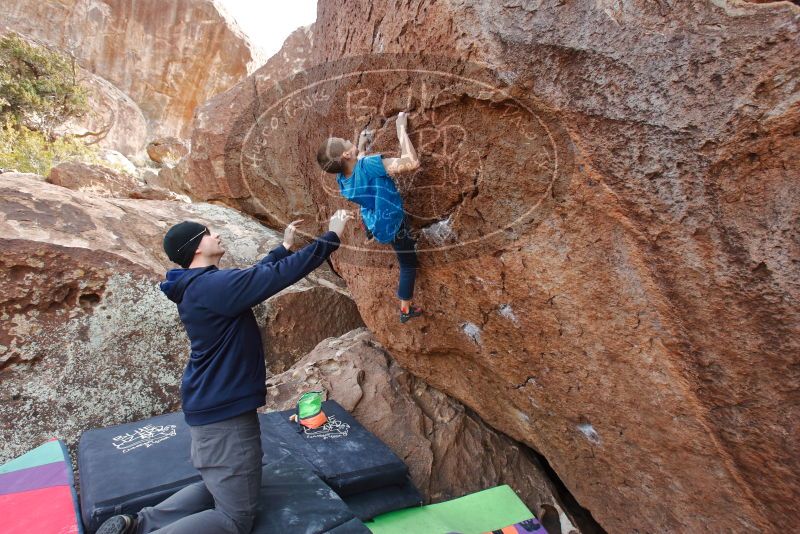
<point>408,160</point>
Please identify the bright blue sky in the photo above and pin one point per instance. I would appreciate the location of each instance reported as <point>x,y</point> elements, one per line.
<point>269,22</point>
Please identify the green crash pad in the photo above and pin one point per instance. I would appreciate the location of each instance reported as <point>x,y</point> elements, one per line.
<point>479,512</point>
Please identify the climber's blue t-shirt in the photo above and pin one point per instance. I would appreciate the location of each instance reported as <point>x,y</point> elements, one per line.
<point>373,189</point>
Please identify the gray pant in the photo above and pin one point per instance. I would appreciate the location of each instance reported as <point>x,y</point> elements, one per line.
<point>228,456</point>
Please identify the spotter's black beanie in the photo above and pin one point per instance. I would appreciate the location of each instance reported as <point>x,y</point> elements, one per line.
<point>179,237</point>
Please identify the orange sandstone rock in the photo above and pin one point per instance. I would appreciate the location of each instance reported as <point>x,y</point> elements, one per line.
<point>608,220</point>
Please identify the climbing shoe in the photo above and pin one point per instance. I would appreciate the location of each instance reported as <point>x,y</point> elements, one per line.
<point>119,524</point>
<point>413,311</point>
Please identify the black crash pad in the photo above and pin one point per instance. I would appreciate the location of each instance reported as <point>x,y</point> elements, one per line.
<point>294,499</point>
<point>348,457</point>
<point>369,504</point>
<point>354,526</point>
<point>126,467</point>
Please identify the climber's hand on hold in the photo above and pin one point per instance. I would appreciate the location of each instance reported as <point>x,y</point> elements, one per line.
<point>289,233</point>
<point>364,140</point>
<point>339,220</point>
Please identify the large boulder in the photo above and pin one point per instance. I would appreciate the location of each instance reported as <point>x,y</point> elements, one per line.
<point>168,57</point>
<point>86,338</point>
<point>168,150</point>
<point>113,120</point>
<point>608,230</point>
<point>298,318</point>
<point>103,181</point>
<point>94,179</point>
<point>449,450</point>
<point>117,160</point>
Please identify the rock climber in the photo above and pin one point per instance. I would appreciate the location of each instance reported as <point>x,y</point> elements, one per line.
<point>367,181</point>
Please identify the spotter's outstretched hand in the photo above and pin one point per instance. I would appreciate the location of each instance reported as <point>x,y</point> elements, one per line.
<point>288,234</point>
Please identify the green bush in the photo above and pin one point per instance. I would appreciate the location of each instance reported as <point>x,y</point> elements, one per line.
<point>39,91</point>
<point>26,150</point>
<point>38,86</point>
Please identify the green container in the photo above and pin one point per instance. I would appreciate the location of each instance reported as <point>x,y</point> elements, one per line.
<point>310,404</point>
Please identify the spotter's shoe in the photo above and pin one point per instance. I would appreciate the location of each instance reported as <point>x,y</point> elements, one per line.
<point>119,524</point>
<point>413,311</point>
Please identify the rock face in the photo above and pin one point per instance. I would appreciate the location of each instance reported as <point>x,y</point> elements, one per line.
<point>85,331</point>
<point>23,175</point>
<point>209,177</point>
<point>609,230</point>
<point>171,177</point>
<point>168,57</point>
<point>435,435</point>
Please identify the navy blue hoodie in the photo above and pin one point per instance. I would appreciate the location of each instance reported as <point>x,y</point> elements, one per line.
<point>226,375</point>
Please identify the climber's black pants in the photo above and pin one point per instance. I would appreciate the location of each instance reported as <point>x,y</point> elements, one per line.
<point>405,247</point>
